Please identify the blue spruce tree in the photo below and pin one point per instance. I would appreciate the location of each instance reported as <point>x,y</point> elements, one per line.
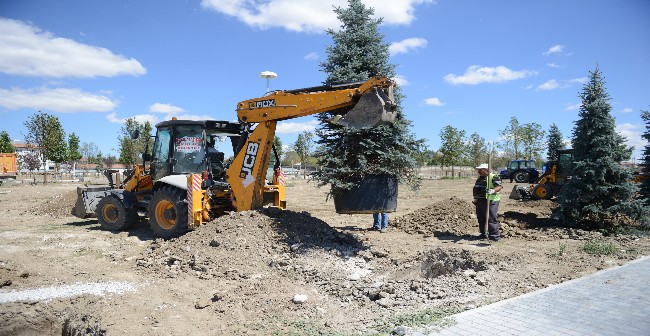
<point>357,54</point>
<point>555,142</point>
<point>599,195</point>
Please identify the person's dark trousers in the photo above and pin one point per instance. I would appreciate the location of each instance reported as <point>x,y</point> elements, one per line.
<point>380,220</point>
<point>493,225</point>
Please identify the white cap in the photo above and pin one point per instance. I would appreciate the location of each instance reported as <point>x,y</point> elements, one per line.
<point>482,166</point>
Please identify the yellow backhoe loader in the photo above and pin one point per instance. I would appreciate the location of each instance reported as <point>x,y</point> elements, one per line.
<point>550,183</point>
<point>187,182</point>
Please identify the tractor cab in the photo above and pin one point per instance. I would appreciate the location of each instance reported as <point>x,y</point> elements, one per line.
<point>187,147</point>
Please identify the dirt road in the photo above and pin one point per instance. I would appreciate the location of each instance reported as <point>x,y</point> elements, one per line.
<point>305,271</point>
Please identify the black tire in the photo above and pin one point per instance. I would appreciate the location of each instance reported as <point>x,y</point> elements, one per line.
<point>168,212</point>
<point>542,191</point>
<point>113,215</point>
<point>522,177</point>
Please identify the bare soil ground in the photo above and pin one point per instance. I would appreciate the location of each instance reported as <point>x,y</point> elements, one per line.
<point>303,271</point>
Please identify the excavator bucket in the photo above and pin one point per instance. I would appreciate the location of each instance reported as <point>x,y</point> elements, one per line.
<point>373,108</point>
<point>519,193</point>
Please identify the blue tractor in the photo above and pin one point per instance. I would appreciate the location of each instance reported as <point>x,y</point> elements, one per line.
<point>521,171</point>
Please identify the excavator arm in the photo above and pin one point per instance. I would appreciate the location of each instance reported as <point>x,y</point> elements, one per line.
<point>371,104</point>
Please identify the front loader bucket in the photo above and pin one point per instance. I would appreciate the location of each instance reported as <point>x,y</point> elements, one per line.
<point>519,193</point>
<point>373,108</point>
<point>87,199</point>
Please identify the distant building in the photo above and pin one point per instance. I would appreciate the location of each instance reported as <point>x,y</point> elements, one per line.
<point>22,149</point>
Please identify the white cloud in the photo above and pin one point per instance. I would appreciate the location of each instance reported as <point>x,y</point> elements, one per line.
<point>56,100</point>
<point>189,117</point>
<point>433,101</point>
<point>165,108</point>
<point>400,80</point>
<point>580,80</point>
<point>111,117</point>
<point>404,46</point>
<point>572,107</point>
<point>552,65</point>
<point>549,85</point>
<point>27,51</point>
<point>285,127</point>
<point>312,56</point>
<point>307,16</point>
<point>141,118</point>
<point>627,110</point>
<point>476,74</point>
<point>555,84</point>
<point>155,118</point>
<point>633,133</point>
<point>556,49</point>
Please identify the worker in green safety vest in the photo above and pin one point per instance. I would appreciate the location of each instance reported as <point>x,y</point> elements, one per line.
<point>486,194</point>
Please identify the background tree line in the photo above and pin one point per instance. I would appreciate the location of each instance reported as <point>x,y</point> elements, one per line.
<point>48,141</point>
<point>456,149</point>
<point>46,135</point>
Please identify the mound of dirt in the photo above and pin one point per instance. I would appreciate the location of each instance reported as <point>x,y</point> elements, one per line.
<point>272,256</point>
<point>449,217</point>
<point>246,241</point>
<point>58,206</point>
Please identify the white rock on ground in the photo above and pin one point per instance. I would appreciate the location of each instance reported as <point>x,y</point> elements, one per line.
<point>299,298</point>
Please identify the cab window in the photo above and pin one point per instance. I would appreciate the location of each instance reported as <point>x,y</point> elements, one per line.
<point>189,149</point>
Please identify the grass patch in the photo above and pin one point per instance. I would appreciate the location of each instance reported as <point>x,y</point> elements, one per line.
<point>634,231</point>
<point>282,327</point>
<point>305,328</point>
<point>599,248</point>
<point>427,317</point>
<point>560,252</point>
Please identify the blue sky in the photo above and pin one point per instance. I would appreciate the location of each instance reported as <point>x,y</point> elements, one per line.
<point>471,64</point>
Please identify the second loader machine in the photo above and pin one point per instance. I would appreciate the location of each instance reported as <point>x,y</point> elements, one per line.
<point>557,174</point>
<point>187,181</point>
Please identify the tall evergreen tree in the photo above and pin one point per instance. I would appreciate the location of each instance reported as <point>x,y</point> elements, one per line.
<point>5,143</point>
<point>554,141</point>
<point>645,165</point>
<point>600,195</point>
<point>357,54</point>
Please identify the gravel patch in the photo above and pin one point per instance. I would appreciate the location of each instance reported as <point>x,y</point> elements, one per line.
<point>49,293</point>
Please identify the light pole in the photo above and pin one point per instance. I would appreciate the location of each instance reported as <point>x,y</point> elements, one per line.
<point>268,75</point>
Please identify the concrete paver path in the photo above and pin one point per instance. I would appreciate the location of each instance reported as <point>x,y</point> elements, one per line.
<point>614,301</point>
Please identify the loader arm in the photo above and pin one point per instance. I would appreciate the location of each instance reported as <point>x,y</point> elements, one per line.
<point>371,106</point>
<point>283,105</point>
